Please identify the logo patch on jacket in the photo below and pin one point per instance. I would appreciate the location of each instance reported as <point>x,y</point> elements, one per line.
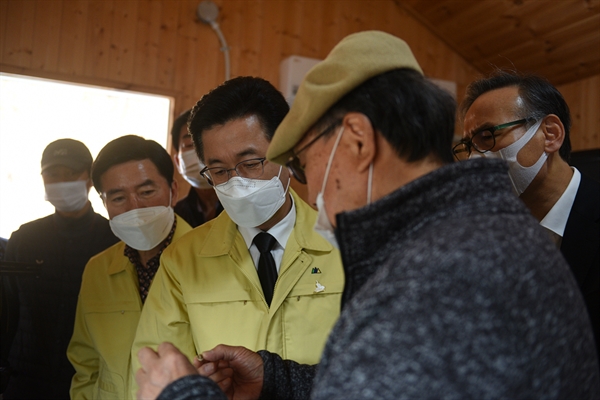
<point>318,287</point>
<point>315,270</point>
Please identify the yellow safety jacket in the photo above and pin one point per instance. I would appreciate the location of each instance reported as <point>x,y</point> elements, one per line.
<point>207,292</point>
<point>106,319</point>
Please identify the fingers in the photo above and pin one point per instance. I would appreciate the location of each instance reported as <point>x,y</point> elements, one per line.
<point>147,357</point>
<point>161,368</point>
<point>226,386</point>
<point>224,352</point>
<point>221,374</point>
<point>166,348</point>
<point>217,353</point>
<point>207,368</point>
<point>147,390</point>
<point>217,371</point>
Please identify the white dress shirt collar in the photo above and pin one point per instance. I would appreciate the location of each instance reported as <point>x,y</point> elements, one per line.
<point>281,232</point>
<point>556,219</point>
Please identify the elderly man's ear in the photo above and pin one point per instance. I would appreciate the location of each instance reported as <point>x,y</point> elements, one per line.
<point>359,135</point>
<point>554,132</point>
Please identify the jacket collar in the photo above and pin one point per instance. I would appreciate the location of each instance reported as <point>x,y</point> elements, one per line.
<point>83,222</point>
<point>222,237</point>
<point>366,235</point>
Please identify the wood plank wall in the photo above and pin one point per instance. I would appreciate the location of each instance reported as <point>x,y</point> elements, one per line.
<point>159,46</point>
<point>583,98</point>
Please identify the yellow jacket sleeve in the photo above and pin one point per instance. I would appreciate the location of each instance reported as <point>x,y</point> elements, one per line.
<point>164,317</point>
<point>84,358</point>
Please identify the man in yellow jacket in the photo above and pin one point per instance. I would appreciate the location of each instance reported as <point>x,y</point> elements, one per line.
<point>134,177</point>
<point>215,286</point>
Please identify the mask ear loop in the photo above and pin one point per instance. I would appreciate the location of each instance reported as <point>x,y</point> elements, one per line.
<point>335,145</point>
<point>288,183</point>
<point>522,141</point>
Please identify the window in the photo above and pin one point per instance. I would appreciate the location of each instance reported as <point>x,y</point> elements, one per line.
<point>35,112</point>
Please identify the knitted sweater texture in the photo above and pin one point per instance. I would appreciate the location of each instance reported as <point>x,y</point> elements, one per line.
<point>452,291</point>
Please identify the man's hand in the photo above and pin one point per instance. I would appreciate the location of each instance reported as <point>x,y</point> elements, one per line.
<point>161,368</point>
<point>237,370</point>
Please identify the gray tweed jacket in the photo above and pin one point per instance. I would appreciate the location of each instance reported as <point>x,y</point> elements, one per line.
<point>452,291</point>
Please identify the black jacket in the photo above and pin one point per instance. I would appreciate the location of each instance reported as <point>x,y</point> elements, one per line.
<point>45,303</point>
<point>581,247</point>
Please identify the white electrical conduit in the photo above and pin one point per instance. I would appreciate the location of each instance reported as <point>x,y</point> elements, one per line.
<point>208,13</point>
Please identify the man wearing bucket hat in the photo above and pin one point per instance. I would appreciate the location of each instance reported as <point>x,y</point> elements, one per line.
<point>61,244</point>
<point>452,289</point>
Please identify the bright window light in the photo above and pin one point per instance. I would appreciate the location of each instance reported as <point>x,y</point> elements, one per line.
<point>35,112</point>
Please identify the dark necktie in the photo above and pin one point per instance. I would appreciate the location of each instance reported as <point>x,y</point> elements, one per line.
<point>267,271</point>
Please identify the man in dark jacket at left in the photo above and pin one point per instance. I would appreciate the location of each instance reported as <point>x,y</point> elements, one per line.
<point>44,302</point>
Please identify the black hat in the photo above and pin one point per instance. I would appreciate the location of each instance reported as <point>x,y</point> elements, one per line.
<point>68,152</point>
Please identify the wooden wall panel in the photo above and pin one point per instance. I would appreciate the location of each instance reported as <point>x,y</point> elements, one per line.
<point>72,48</point>
<point>99,23</point>
<point>18,33</point>
<point>45,31</point>
<point>330,28</point>
<point>583,98</point>
<point>207,67</point>
<point>167,48</point>
<point>146,49</point>
<point>312,38</point>
<point>121,52</point>
<point>160,46</point>
<point>249,37</point>
<point>292,27</point>
<point>272,40</point>
<point>559,39</point>
<point>3,23</point>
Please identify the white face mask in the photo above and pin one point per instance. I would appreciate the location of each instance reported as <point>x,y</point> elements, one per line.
<point>67,196</point>
<point>322,225</point>
<point>143,228</point>
<point>251,202</point>
<point>520,176</point>
<point>189,167</point>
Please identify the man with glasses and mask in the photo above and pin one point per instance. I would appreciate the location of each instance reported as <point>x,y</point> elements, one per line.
<point>134,177</point>
<point>257,275</point>
<point>525,121</point>
<point>44,304</point>
<point>452,289</point>
<point>201,203</point>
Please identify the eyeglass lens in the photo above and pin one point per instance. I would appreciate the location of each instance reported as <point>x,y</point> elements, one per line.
<point>250,169</point>
<point>482,141</point>
<point>293,164</point>
<point>296,169</point>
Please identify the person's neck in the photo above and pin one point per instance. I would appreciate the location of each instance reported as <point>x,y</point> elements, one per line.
<point>396,173</point>
<point>208,202</point>
<point>75,214</point>
<point>550,183</point>
<point>146,255</point>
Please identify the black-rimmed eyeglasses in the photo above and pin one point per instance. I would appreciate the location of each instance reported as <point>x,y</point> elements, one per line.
<point>293,164</point>
<point>250,169</point>
<point>483,140</point>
